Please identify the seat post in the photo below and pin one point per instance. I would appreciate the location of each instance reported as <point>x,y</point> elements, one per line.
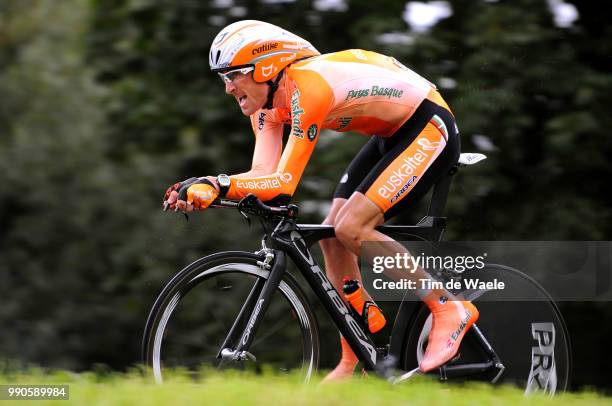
<point>440,194</point>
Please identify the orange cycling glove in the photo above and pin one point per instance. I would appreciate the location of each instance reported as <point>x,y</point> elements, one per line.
<point>200,194</point>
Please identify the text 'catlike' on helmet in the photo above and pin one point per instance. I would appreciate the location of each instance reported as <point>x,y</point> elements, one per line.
<point>266,47</point>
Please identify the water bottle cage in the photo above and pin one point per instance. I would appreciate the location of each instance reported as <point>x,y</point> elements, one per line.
<point>359,318</point>
<point>362,318</point>
<point>365,313</point>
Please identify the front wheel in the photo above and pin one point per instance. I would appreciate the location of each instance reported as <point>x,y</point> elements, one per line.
<point>192,316</point>
<point>529,336</point>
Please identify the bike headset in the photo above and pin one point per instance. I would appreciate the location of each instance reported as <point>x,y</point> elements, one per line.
<point>265,47</point>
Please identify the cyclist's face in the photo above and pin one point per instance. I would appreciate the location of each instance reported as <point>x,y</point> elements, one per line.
<point>250,95</point>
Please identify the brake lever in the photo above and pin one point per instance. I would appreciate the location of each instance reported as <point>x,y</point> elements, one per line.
<point>246,217</point>
<point>249,198</point>
<point>166,206</point>
<point>176,210</point>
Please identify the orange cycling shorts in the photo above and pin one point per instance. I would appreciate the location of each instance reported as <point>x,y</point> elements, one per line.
<point>395,172</point>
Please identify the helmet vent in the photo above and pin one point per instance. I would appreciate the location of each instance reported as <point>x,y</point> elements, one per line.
<point>217,56</point>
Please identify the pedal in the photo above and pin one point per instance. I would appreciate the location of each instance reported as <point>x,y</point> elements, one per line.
<point>386,367</point>
<point>406,376</point>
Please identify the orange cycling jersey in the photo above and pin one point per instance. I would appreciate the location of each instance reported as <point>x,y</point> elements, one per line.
<point>353,90</point>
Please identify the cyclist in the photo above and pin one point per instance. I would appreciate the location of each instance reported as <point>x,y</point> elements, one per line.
<point>278,79</point>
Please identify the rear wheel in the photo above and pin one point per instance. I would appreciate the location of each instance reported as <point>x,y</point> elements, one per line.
<point>529,336</point>
<point>194,313</point>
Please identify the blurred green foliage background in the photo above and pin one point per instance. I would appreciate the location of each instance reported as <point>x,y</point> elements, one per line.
<point>104,103</point>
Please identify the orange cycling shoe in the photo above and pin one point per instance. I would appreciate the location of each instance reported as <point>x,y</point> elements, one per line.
<point>451,320</point>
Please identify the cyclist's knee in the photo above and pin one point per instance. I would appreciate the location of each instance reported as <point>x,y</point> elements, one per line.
<point>350,233</point>
<point>356,221</point>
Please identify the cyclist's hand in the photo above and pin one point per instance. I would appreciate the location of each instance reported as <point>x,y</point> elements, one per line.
<point>199,195</point>
<point>171,195</point>
<point>191,194</point>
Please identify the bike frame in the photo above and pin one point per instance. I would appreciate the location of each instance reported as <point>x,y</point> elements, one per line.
<point>289,238</point>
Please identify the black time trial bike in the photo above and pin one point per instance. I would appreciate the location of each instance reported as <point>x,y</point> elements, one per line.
<point>245,310</point>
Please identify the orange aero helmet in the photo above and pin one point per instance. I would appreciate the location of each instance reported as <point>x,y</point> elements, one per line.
<point>266,47</point>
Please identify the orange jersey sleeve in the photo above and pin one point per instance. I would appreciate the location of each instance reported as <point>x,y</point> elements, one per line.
<point>311,99</point>
<point>268,129</point>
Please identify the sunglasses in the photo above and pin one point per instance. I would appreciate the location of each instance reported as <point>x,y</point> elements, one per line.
<point>230,76</point>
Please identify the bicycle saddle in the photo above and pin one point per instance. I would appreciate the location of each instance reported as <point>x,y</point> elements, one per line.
<point>469,158</point>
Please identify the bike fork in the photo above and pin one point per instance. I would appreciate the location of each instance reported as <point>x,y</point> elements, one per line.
<point>240,337</point>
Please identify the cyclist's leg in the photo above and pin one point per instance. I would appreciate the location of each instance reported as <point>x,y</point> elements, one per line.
<point>419,158</point>
<point>451,316</point>
<point>339,261</point>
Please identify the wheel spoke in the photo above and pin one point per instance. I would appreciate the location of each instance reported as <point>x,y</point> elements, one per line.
<point>278,326</point>
<point>188,331</point>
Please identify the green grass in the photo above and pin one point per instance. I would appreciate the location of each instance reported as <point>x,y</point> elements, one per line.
<point>273,390</point>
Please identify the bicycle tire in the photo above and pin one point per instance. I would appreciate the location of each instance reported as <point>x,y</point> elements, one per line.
<point>174,324</point>
<point>508,326</point>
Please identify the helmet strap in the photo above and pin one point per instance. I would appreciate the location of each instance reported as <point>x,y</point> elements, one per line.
<point>273,87</point>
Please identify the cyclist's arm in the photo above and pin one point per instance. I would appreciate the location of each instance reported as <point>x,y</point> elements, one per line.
<point>268,145</point>
<point>312,99</point>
